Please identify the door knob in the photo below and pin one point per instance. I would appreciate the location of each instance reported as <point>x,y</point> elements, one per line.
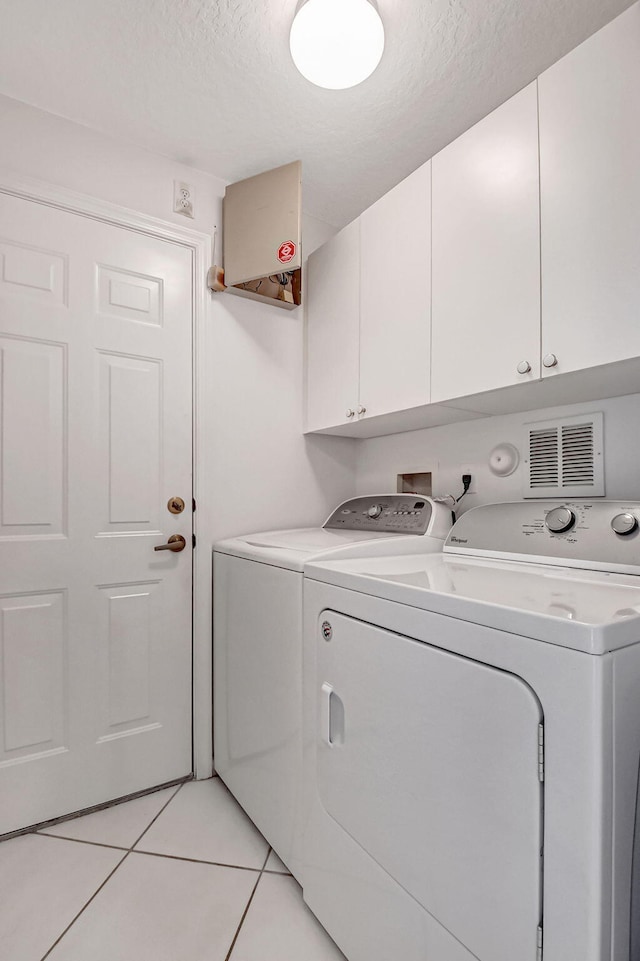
<point>350,413</point>
<point>362,410</point>
<point>524,367</point>
<point>176,543</point>
<point>550,360</point>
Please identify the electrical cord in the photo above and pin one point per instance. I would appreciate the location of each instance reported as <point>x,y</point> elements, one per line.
<point>448,499</point>
<point>466,483</point>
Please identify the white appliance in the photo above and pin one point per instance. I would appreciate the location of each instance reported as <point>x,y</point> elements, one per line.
<point>258,646</point>
<point>472,741</point>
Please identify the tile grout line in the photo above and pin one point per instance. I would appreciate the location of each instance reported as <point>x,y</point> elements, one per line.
<point>153,820</point>
<point>246,910</point>
<point>215,864</point>
<point>96,844</point>
<point>108,877</point>
<point>103,844</point>
<point>85,906</point>
<point>160,854</point>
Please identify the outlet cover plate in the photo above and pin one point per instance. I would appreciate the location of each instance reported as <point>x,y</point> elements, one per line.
<point>183,199</point>
<point>467,469</point>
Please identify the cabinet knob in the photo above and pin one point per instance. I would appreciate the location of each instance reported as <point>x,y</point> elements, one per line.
<point>350,413</point>
<point>362,410</point>
<point>549,360</point>
<point>524,367</point>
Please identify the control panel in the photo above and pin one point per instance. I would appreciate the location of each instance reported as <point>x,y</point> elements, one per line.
<point>603,535</point>
<point>384,514</point>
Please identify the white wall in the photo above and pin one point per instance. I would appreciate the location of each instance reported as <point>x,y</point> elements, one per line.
<point>460,448</point>
<point>39,144</point>
<point>264,473</point>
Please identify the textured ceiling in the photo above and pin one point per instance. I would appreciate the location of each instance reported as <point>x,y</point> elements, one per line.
<point>212,83</point>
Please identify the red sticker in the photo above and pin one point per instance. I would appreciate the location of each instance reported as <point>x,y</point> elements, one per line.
<point>286,252</point>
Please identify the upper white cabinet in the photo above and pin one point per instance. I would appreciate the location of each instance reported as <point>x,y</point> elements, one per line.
<point>333,335</point>
<point>395,297</point>
<point>511,258</point>
<point>486,254</point>
<point>590,200</point>
<point>368,311</point>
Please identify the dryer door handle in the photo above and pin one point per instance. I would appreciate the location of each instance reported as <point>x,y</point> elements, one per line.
<point>331,716</point>
<point>325,713</point>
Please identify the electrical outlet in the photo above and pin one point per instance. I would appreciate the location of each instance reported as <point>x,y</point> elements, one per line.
<point>183,199</point>
<point>468,469</point>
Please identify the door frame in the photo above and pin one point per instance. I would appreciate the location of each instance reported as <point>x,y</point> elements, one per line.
<point>200,244</point>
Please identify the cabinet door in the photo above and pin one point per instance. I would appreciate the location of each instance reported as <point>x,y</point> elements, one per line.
<point>262,215</point>
<point>333,317</point>
<point>486,254</point>
<point>590,163</point>
<point>395,297</point>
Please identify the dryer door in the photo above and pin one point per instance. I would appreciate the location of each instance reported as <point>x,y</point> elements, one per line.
<point>430,762</point>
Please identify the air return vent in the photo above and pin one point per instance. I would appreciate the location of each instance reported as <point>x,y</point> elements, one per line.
<point>565,457</point>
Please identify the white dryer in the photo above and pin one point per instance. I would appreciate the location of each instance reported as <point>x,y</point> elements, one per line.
<point>258,646</point>
<point>472,741</point>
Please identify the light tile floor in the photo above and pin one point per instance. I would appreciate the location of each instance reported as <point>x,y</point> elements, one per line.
<point>178,875</point>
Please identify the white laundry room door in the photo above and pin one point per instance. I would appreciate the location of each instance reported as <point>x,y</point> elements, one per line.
<point>96,401</point>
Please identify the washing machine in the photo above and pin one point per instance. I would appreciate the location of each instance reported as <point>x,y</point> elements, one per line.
<point>258,647</point>
<point>472,741</point>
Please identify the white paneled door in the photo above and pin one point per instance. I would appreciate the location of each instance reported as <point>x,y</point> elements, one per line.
<point>96,400</point>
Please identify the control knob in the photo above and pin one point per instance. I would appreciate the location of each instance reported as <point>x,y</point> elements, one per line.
<point>624,524</point>
<point>560,519</point>
<point>375,511</point>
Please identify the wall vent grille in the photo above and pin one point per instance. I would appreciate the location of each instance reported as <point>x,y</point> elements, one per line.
<point>565,457</point>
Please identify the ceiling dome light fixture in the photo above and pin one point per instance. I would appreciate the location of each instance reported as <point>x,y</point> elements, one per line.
<point>337,43</point>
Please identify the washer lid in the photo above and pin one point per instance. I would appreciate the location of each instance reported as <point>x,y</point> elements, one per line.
<point>293,549</point>
<point>588,611</point>
<point>310,540</point>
